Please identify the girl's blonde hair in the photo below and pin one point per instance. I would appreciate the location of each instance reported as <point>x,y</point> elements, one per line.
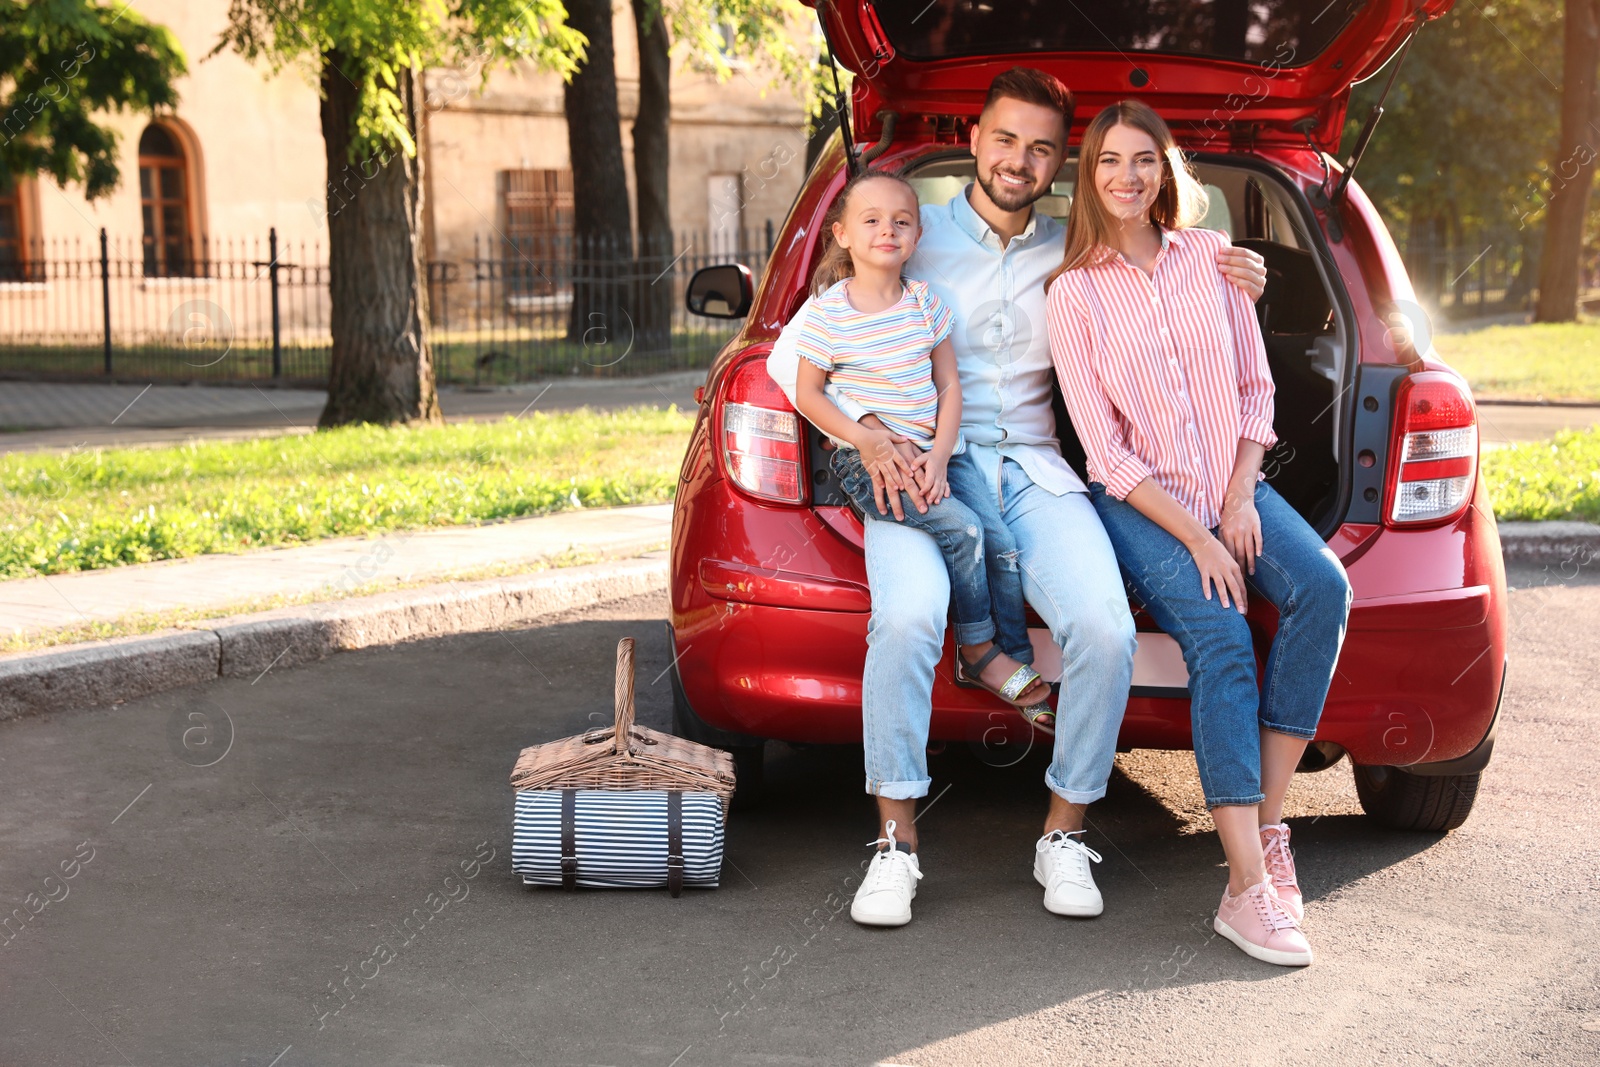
<point>1091,230</point>
<point>835,264</point>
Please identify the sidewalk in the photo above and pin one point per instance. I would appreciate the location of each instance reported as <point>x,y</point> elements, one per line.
<point>61,415</point>
<point>217,582</point>
<point>1501,424</point>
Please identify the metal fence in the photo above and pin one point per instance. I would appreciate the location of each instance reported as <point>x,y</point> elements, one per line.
<point>1483,272</point>
<point>519,308</point>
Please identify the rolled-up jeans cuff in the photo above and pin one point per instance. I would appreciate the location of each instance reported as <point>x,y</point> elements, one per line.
<point>1230,802</point>
<point>899,790</point>
<point>1302,732</point>
<point>1073,796</point>
<point>975,633</point>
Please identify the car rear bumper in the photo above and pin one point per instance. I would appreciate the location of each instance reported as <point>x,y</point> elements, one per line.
<point>770,634</point>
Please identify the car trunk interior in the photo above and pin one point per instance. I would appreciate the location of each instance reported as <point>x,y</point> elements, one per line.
<point>1305,339</point>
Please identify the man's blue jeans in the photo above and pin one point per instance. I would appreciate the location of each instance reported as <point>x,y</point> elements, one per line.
<point>1299,574</point>
<point>980,556</point>
<point>1069,575</point>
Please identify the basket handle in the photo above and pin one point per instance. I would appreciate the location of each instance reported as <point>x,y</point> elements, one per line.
<point>624,729</point>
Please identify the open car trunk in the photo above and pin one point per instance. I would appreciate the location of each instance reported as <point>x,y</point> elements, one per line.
<point>1279,69</point>
<point>1306,342</point>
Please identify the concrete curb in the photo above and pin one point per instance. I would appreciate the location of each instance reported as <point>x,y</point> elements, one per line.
<point>1550,542</point>
<point>95,675</point>
<point>91,675</point>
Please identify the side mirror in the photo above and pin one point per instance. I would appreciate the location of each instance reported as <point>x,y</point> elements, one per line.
<point>722,292</point>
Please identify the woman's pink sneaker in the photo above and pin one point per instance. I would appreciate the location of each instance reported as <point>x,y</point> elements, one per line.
<point>1261,926</point>
<point>1280,869</point>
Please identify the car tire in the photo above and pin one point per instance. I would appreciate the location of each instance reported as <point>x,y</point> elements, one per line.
<point>1405,801</point>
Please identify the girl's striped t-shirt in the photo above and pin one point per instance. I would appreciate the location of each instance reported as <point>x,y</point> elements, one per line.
<point>882,361</point>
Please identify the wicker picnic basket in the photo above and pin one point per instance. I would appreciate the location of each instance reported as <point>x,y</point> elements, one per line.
<point>623,806</point>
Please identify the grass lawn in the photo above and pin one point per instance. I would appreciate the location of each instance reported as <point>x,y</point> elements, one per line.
<point>1557,479</point>
<point>95,508</point>
<point>1550,361</point>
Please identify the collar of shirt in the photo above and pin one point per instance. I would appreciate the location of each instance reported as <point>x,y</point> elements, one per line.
<point>971,223</point>
<point>1001,340</point>
<point>1169,238</point>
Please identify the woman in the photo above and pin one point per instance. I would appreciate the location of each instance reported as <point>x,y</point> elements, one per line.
<point>1166,379</point>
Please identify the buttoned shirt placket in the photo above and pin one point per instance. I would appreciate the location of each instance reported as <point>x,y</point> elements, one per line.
<point>1178,386</point>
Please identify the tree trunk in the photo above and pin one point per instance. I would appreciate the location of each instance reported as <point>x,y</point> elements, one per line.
<point>381,370</point>
<point>603,244</point>
<point>654,285</point>
<point>1570,176</point>
<point>1521,286</point>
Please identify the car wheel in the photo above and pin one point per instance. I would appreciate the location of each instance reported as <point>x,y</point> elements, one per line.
<point>1405,801</point>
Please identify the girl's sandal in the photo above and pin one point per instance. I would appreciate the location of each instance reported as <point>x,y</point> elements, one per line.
<point>1036,714</point>
<point>1014,686</point>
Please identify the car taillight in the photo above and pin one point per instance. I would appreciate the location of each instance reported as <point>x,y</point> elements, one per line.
<point>1435,452</point>
<point>761,440</point>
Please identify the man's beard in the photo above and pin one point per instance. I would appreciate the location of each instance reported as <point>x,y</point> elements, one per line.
<point>1008,197</point>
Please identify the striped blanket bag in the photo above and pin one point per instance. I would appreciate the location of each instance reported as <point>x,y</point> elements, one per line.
<point>617,839</point>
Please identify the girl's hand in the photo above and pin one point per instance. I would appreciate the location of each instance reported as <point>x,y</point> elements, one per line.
<point>1217,568</point>
<point>932,469</point>
<point>1241,527</point>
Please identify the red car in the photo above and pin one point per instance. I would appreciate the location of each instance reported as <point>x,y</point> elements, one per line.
<point>768,583</point>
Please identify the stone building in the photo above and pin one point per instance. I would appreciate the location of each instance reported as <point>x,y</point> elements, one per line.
<point>243,153</point>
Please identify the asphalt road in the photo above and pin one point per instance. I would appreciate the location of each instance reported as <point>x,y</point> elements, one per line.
<point>210,907</point>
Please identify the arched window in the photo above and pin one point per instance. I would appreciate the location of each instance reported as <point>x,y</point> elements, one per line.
<point>164,200</point>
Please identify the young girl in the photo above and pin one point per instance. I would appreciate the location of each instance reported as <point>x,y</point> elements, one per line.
<point>1166,379</point>
<point>883,342</point>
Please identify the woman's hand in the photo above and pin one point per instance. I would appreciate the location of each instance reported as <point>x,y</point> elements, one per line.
<point>1217,568</point>
<point>1241,527</point>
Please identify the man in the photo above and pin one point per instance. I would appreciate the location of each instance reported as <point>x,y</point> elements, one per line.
<point>986,254</point>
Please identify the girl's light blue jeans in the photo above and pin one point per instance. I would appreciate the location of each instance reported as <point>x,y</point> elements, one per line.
<point>1069,575</point>
<point>1299,574</point>
<point>980,556</point>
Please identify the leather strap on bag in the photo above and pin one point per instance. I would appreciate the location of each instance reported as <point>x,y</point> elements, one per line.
<point>674,842</point>
<point>569,839</point>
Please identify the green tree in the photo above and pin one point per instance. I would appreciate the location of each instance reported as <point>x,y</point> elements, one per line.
<point>707,37</point>
<point>62,61</point>
<point>368,57</point>
<point>1465,131</point>
<point>1569,178</point>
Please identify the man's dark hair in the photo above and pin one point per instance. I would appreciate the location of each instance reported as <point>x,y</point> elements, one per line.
<point>1032,86</point>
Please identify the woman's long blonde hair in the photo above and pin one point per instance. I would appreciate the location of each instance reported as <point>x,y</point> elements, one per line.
<point>835,263</point>
<point>1091,230</point>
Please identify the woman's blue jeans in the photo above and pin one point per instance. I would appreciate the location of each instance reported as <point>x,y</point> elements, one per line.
<point>1300,575</point>
<point>979,552</point>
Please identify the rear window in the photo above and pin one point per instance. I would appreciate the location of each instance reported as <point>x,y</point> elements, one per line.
<point>1288,33</point>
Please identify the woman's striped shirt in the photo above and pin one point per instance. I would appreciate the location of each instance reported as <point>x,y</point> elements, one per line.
<point>1163,373</point>
<point>883,360</point>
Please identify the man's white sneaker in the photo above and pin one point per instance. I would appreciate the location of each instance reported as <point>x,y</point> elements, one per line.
<point>884,898</point>
<point>1061,865</point>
